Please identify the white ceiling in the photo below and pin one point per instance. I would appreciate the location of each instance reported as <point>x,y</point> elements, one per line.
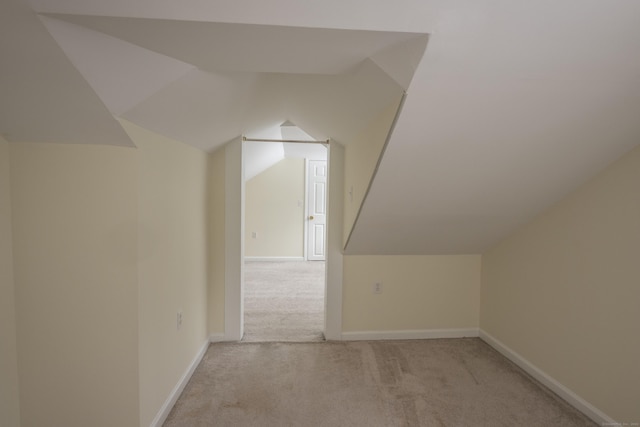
<point>202,83</point>
<point>261,155</point>
<point>218,47</point>
<point>243,77</point>
<point>42,96</point>
<point>513,105</point>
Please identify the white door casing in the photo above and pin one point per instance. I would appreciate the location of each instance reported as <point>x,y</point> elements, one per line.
<point>334,244</point>
<point>316,210</point>
<point>234,248</point>
<point>234,241</point>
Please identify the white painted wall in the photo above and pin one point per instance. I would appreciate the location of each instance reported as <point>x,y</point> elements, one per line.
<point>361,157</point>
<point>334,257</point>
<point>305,151</point>
<point>419,293</point>
<point>110,244</point>
<point>563,291</point>
<point>216,254</point>
<point>75,214</point>
<point>422,295</point>
<point>9,388</point>
<point>274,210</point>
<point>234,240</point>
<point>290,131</point>
<point>172,263</point>
<point>260,156</point>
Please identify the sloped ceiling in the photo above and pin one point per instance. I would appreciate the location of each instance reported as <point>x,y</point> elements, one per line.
<point>259,156</point>
<point>513,105</point>
<point>199,82</point>
<point>42,96</point>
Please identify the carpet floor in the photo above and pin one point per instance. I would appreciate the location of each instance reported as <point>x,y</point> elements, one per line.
<point>444,382</point>
<point>283,301</point>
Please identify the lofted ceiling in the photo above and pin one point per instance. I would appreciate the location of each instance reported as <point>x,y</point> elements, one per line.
<point>513,105</point>
<point>259,156</point>
<point>200,82</point>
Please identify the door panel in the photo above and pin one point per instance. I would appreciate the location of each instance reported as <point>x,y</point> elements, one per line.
<point>317,209</point>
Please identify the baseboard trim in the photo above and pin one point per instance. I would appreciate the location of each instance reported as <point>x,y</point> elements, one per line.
<point>412,334</point>
<point>164,411</point>
<point>217,338</point>
<point>273,258</point>
<point>572,398</point>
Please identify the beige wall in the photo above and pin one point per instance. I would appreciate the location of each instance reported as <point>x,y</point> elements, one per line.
<point>272,211</point>
<point>564,290</point>
<point>9,390</point>
<point>418,292</point>
<point>74,211</point>
<point>215,294</point>
<point>361,158</point>
<point>172,263</point>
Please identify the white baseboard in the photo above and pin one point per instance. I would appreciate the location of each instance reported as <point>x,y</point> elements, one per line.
<point>413,334</point>
<point>164,411</point>
<point>273,258</point>
<point>572,398</point>
<point>217,338</point>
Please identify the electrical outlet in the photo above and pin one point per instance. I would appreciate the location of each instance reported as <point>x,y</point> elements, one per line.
<point>179,320</point>
<point>254,235</point>
<point>377,288</point>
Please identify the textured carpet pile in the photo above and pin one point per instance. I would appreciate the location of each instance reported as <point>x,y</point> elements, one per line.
<point>283,301</point>
<point>445,382</point>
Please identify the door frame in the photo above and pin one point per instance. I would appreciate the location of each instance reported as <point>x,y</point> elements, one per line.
<point>234,241</point>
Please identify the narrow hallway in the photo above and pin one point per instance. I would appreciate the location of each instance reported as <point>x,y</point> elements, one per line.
<point>284,301</point>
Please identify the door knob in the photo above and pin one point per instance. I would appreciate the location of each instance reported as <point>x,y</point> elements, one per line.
<point>310,217</point>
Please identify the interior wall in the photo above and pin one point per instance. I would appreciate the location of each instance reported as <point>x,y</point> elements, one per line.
<point>563,291</point>
<point>334,249</point>
<point>260,156</point>
<point>234,196</point>
<point>74,213</point>
<point>274,210</point>
<point>419,292</point>
<point>216,289</point>
<point>172,266</point>
<point>9,387</point>
<point>361,158</point>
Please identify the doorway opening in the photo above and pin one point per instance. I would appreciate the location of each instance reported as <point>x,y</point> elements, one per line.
<point>285,240</point>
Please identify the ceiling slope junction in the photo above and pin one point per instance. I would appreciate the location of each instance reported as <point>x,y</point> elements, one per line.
<point>205,83</point>
<point>512,106</point>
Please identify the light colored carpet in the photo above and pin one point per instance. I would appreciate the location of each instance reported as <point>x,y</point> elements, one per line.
<point>283,301</point>
<point>446,382</point>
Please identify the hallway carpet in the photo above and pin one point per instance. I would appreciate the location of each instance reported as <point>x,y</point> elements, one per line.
<point>283,301</point>
<point>444,382</point>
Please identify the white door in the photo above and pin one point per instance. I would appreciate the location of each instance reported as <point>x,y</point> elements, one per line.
<point>316,209</point>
